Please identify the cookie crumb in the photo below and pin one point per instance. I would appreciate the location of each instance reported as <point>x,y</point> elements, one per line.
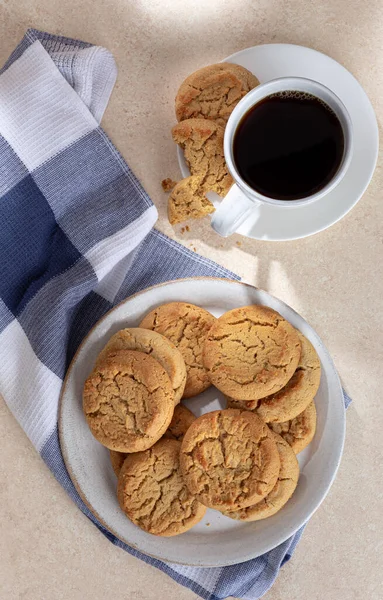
<point>187,228</point>
<point>168,184</point>
<point>195,249</point>
<point>239,243</point>
<point>207,524</point>
<point>182,229</point>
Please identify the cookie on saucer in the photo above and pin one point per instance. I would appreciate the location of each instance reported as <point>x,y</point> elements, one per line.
<point>202,143</point>
<point>213,92</point>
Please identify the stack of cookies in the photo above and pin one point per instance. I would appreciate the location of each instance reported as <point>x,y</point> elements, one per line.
<point>240,461</point>
<point>204,103</point>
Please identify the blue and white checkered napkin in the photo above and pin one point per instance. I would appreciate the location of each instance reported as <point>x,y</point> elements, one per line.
<point>76,237</point>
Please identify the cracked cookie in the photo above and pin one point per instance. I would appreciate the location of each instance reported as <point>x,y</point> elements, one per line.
<point>155,344</point>
<point>251,352</point>
<point>180,423</point>
<point>187,201</point>
<point>153,494</point>
<point>187,326</point>
<point>282,491</point>
<point>202,143</point>
<point>295,396</point>
<point>300,431</point>
<point>128,401</point>
<point>213,91</point>
<point>229,459</point>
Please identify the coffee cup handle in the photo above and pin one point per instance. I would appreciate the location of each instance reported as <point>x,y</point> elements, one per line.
<point>232,212</point>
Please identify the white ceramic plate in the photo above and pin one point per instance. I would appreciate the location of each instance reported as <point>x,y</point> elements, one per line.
<point>217,540</point>
<point>276,223</point>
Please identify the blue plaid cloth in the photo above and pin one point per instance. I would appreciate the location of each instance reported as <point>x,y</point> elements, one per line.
<point>77,237</point>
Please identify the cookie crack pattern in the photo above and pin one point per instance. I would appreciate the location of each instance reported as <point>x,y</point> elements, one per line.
<point>128,401</point>
<point>220,104</point>
<point>159,501</point>
<point>251,352</point>
<point>255,323</point>
<point>215,473</point>
<point>213,92</point>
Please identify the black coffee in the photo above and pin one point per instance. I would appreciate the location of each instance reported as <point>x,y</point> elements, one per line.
<point>288,146</point>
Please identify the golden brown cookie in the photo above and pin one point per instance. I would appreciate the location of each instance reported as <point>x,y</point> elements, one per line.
<point>202,143</point>
<point>282,491</point>
<point>180,423</point>
<point>117,460</point>
<point>187,201</point>
<point>155,344</point>
<point>251,352</point>
<point>213,91</point>
<point>295,396</point>
<point>128,401</point>
<point>300,431</point>
<point>229,460</point>
<point>153,494</point>
<point>187,326</point>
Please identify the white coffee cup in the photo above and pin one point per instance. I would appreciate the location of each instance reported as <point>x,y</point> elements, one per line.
<point>241,199</point>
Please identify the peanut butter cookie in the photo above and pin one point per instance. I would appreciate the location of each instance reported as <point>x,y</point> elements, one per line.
<point>282,491</point>
<point>180,423</point>
<point>187,201</point>
<point>202,143</point>
<point>300,431</point>
<point>128,401</point>
<point>155,344</point>
<point>213,91</point>
<point>229,460</point>
<point>153,494</point>
<point>187,326</point>
<point>251,352</point>
<point>295,396</point>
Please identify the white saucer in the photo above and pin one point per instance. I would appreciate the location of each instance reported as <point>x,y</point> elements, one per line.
<point>286,60</point>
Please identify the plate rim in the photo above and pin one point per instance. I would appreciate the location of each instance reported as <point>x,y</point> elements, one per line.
<point>73,478</point>
<point>352,205</point>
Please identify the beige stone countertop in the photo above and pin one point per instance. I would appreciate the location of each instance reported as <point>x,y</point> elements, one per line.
<point>48,548</point>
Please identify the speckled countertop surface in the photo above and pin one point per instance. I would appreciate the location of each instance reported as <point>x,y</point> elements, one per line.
<point>48,548</point>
